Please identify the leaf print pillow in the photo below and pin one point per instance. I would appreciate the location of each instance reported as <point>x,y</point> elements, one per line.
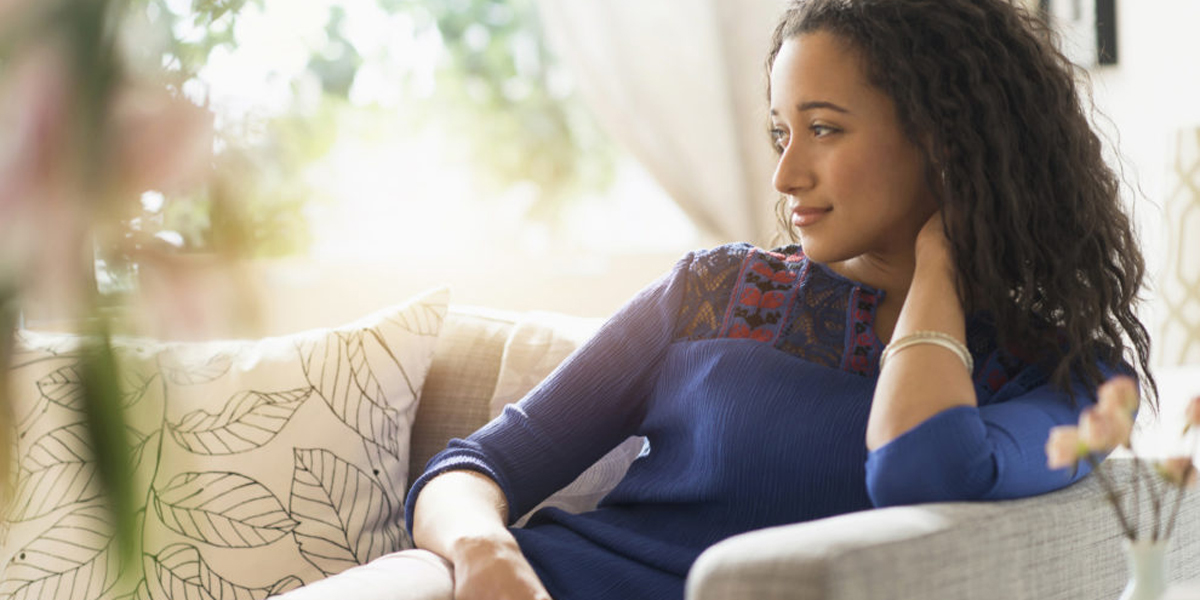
<point>264,464</point>
<point>56,539</point>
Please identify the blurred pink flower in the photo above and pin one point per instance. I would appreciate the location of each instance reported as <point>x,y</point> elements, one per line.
<point>10,10</point>
<point>43,241</point>
<point>1064,448</point>
<point>1191,416</point>
<point>164,142</point>
<point>1178,470</point>
<point>36,127</point>
<point>1103,430</point>
<point>1119,394</point>
<point>196,297</point>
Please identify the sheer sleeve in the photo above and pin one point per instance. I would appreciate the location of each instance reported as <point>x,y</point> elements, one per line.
<point>593,401</point>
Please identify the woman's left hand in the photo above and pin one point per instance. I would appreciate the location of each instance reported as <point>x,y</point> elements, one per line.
<point>932,243</point>
<point>920,383</point>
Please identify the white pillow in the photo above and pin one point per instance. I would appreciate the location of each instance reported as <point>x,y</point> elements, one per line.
<point>263,464</point>
<point>536,346</point>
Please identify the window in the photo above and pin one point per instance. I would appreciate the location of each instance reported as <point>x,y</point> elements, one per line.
<point>410,141</point>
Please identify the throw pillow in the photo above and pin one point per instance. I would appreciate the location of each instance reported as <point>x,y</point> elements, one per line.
<point>264,465</point>
<point>55,537</point>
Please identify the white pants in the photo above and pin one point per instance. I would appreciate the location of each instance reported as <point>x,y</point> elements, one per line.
<point>404,575</point>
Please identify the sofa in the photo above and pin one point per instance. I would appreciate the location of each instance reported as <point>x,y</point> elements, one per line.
<point>1063,545</point>
<point>301,474</point>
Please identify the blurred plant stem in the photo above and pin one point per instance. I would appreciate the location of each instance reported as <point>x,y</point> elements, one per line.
<point>62,183</point>
<point>100,380</point>
<point>92,27</point>
<point>8,325</point>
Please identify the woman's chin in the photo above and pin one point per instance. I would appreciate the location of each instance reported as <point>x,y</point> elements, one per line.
<point>814,251</point>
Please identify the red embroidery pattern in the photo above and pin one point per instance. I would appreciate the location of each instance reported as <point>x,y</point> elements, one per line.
<point>863,347</point>
<point>1000,366</point>
<point>782,299</point>
<point>996,365</point>
<point>764,292</point>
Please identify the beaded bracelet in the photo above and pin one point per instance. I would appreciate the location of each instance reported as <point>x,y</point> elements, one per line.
<point>936,338</point>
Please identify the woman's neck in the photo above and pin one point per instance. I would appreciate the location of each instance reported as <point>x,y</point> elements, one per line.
<point>892,276</point>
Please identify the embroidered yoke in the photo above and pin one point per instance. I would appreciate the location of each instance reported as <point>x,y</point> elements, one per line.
<point>751,375</point>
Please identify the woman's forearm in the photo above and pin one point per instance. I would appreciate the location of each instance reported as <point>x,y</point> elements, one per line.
<point>461,516</point>
<point>457,511</point>
<point>924,379</point>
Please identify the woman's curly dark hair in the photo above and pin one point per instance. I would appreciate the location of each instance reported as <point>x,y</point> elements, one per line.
<point>1032,211</point>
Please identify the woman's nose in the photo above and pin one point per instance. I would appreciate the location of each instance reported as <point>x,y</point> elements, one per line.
<point>793,173</point>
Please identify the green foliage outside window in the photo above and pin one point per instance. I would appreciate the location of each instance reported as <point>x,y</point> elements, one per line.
<point>498,97</point>
<point>522,125</point>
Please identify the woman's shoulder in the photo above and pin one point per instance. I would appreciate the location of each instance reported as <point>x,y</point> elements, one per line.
<point>737,255</point>
<point>1009,369</point>
<point>791,252</point>
<point>733,282</point>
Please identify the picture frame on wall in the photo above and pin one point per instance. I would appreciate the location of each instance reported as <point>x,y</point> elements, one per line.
<point>1088,28</point>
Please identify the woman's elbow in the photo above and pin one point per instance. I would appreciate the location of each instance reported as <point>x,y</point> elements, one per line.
<point>893,482</point>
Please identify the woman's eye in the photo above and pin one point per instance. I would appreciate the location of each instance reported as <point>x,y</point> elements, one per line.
<point>779,139</point>
<point>821,131</point>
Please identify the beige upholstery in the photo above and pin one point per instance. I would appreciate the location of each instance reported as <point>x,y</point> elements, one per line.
<point>458,390</point>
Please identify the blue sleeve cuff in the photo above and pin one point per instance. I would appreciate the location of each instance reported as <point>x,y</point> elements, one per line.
<point>947,457</point>
<point>455,458</point>
<point>992,452</point>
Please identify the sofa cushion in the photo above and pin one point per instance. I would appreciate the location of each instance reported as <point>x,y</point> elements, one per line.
<point>454,399</point>
<point>263,464</point>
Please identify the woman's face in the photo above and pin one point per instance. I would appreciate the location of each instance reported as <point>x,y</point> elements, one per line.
<point>855,183</point>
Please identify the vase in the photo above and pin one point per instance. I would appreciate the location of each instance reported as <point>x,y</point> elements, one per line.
<point>1147,569</point>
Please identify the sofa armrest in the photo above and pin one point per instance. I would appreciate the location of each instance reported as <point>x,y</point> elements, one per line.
<point>1065,544</point>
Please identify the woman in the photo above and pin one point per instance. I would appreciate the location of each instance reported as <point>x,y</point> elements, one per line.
<point>949,200</point>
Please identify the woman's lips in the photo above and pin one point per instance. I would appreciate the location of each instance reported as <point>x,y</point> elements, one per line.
<point>803,217</point>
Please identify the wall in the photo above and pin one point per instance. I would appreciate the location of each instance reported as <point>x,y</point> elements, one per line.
<point>1152,92</point>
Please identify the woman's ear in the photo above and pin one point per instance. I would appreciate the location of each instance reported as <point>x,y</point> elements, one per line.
<point>937,165</point>
<point>933,152</point>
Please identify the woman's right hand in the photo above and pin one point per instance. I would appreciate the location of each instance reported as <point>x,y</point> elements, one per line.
<point>493,568</point>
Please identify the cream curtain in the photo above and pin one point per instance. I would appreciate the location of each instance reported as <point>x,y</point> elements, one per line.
<point>681,84</point>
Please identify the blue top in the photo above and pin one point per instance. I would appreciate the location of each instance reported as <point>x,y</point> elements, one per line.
<point>751,375</point>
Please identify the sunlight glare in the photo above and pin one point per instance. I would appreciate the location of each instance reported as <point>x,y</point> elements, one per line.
<point>393,193</point>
